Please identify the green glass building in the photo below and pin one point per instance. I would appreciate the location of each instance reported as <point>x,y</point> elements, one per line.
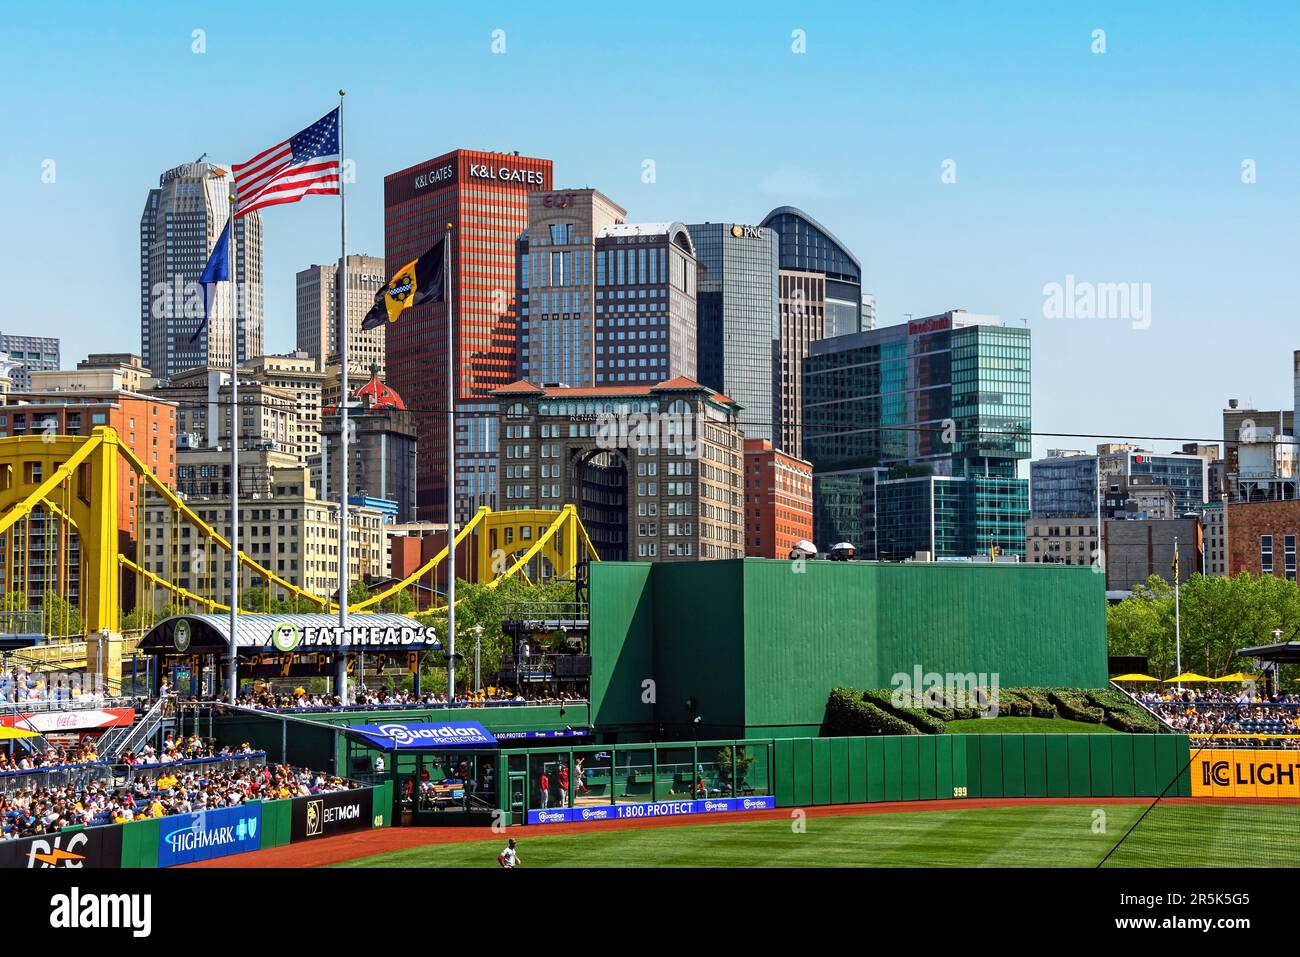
<point>915,432</point>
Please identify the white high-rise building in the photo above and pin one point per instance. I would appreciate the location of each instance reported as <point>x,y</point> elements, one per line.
<point>182,221</point>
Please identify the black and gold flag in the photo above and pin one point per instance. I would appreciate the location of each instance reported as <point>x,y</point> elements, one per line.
<point>416,283</point>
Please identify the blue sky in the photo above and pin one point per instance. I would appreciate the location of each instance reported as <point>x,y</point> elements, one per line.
<point>1124,166</point>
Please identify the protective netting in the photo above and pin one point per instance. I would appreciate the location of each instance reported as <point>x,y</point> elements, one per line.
<point>1234,803</point>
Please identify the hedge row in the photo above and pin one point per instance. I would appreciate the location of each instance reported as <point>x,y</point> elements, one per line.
<point>1122,713</point>
<point>1040,705</point>
<point>848,715</point>
<point>851,712</point>
<point>1074,704</point>
<point>918,717</point>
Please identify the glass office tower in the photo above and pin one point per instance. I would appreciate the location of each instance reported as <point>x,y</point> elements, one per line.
<point>808,246</point>
<point>736,317</point>
<point>915,433</point>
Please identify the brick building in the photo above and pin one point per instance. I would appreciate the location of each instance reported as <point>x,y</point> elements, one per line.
<point>484,197</point>
<point>1262,538</point>
<point>1136,550</point>
<point>778,500</point>
<point>656,471</point>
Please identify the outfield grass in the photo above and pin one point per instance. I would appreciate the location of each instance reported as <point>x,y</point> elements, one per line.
<point>1025,726</point>
<point>1040,836</point>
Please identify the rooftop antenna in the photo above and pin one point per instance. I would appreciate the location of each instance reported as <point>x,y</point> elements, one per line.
<point>201,158</point>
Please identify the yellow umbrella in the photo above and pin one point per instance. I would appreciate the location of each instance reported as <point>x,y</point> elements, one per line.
<point>1237,676</point>
<point>8,734</point>
<point>1187,676</point>
<point>1134,678</point>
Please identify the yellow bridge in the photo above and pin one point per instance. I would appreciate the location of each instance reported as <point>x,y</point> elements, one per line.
<point>82,556</point>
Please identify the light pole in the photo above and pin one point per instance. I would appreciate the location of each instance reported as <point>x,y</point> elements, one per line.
<point>478,647</point>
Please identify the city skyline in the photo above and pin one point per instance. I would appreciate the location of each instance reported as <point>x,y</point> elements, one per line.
<point>1070,166</point>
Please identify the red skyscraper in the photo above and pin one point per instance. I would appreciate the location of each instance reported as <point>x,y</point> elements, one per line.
<point>484,196</point>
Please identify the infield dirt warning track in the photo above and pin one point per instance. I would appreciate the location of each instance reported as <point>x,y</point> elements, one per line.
<point>349,847</point>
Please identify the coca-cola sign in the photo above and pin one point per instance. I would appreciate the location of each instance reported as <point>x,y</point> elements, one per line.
<point>52,722</point>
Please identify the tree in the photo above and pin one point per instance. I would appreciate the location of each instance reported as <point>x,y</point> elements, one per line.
<point>1218,615</point>
<point>480,612</point>
<point>399,604</point>
<point>60,617</point>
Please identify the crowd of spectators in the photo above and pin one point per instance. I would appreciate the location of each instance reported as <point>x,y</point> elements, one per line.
<point>18,685</point>
<point>40,810</point>
<point>54,757</point>
<point>192,748</point>
<point>300,699</point>
<point>1232,714</point>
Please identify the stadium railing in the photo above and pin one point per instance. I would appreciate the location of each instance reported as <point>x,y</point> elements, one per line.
<point>432,706</point>
<point>117,775</point>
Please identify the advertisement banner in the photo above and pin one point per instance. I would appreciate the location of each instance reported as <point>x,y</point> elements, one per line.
<point>617,812</point>
<point>54,722</point>
<point>207,834</point>
<point>325,815</point>
<point>426,736</point>
<point>1246,772</point>
<point>91,847</point>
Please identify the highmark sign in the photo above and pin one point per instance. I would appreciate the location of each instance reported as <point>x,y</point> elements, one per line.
<point>620,812</point>
<point>288,636</point>
<point>206,834</point>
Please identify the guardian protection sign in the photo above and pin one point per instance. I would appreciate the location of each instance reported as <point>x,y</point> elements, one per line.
<point>448,735</point>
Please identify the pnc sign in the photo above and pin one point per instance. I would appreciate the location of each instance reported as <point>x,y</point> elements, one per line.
<point>747,232</point>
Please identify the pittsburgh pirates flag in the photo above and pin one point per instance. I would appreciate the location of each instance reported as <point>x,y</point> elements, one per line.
<point>416,283</point>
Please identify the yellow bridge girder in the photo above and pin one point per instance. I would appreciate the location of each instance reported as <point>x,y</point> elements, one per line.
<point>77,479</point>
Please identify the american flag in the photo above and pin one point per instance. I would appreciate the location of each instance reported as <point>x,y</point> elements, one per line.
<point>307,162</point>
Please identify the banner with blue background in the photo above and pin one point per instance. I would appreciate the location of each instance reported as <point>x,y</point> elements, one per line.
<point>207,834</point>
<point>417,736</point>
<point>620,812</point>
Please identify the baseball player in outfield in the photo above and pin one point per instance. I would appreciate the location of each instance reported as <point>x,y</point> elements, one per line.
<point>509,857</point>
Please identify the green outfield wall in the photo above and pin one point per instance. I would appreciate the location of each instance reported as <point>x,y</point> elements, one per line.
<point>812,772</point>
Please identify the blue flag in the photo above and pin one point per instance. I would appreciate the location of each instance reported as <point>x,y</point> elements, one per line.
<point>217,270</point>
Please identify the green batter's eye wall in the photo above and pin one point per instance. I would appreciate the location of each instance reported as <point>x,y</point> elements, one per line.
<point>817,771</point>
<point>753,647</point>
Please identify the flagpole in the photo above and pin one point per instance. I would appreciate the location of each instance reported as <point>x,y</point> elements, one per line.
<point>341,680</point>
<point>1178,628</point>
<point>448,294</point>
<point>233,665</point>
